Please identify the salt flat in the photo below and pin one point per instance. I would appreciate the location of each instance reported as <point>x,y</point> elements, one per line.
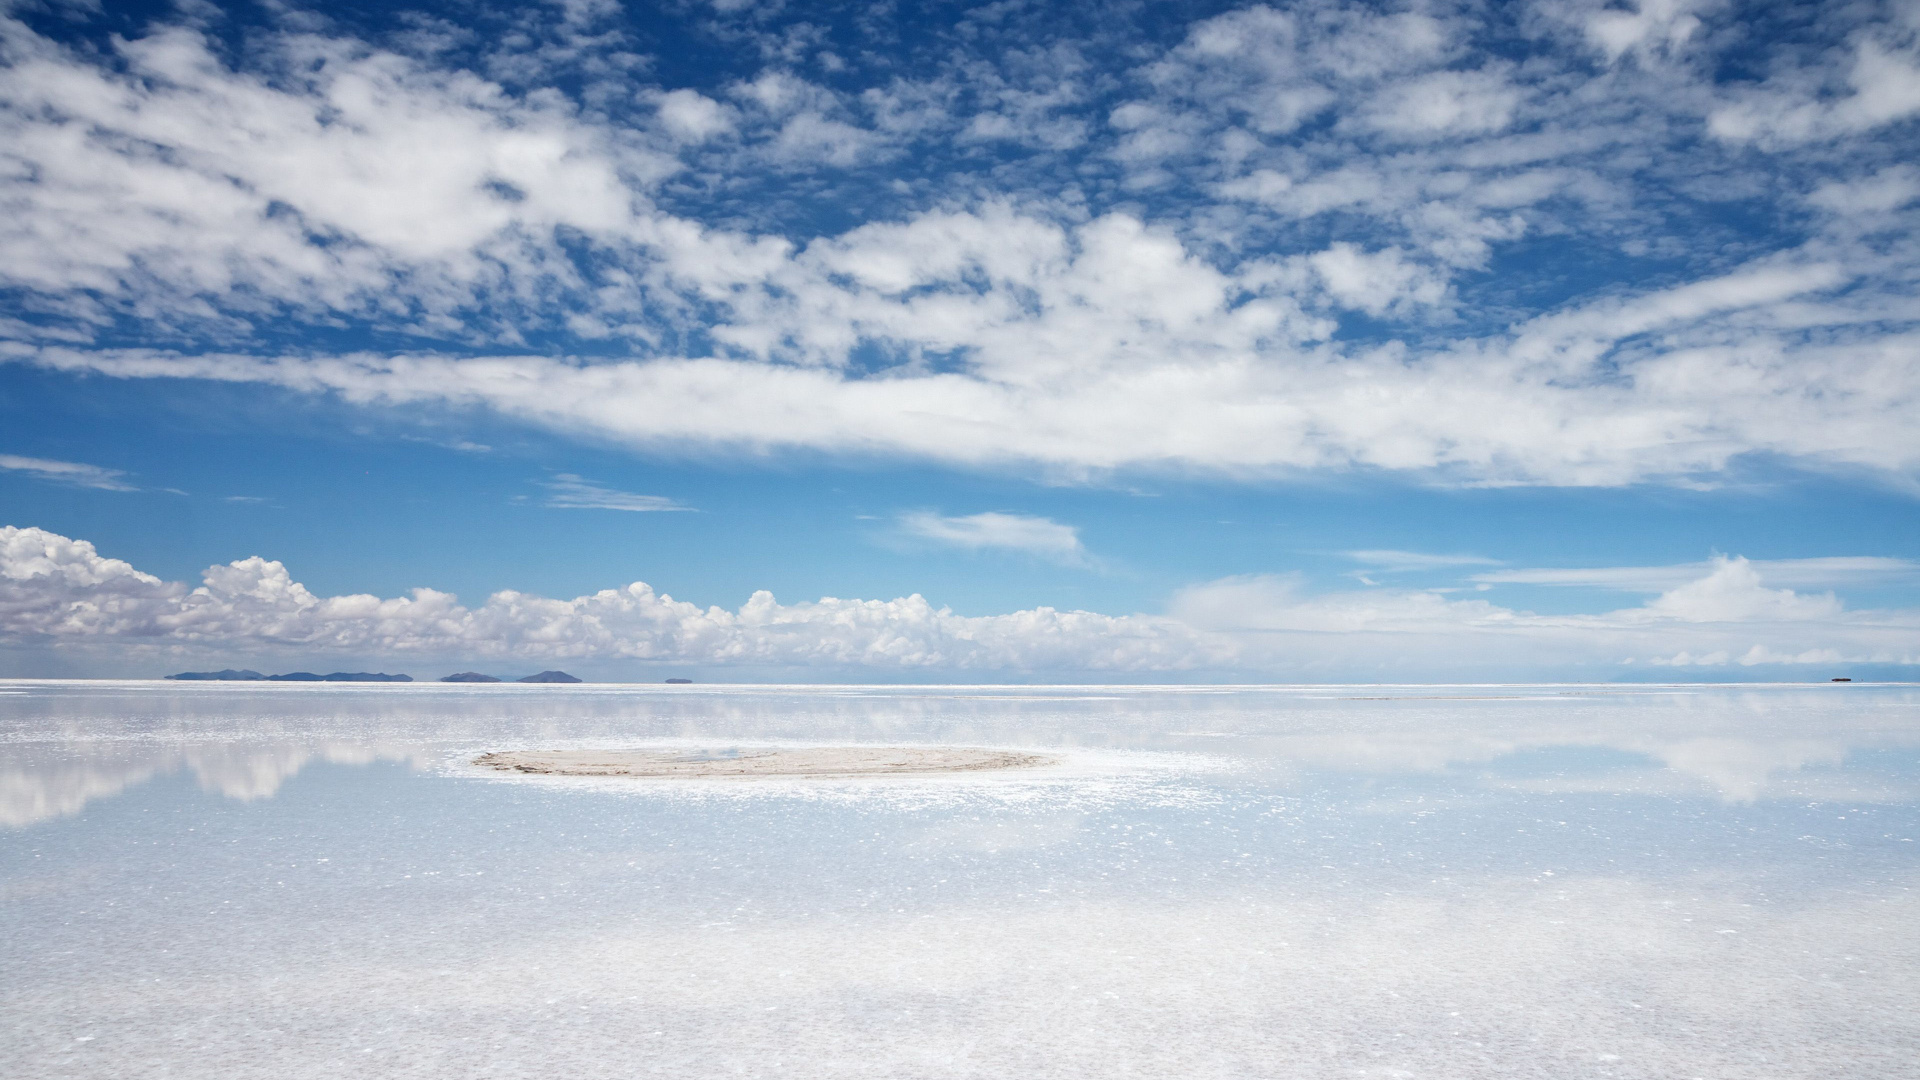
<point>734,763</point>
<point>1206,881</point>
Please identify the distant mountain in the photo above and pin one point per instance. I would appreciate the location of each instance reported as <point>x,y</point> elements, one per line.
<point>470,676</point>
<point>245,675</point>
<point>340,676</point>
<point>549,676</point>
<point>680,681</point>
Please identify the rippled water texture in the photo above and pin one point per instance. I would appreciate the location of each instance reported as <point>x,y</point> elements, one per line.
<point>293,881</point>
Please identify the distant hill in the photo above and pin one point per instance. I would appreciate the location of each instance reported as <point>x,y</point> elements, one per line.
<point>679,681</point>
<point>468,676</point>
<point>549,676</point>
<point>247,675</point>
<point>340,676</point>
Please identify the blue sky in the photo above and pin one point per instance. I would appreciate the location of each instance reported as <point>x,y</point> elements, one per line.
<point>1151,341</point>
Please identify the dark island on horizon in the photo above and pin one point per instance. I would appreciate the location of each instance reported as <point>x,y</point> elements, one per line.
<point>543,677</point>
<point>249,675</point>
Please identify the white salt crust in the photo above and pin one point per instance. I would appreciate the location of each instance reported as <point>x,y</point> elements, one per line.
<point>836,762</point>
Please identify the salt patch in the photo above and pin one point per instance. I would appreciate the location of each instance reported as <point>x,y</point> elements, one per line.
<point>820,761</point>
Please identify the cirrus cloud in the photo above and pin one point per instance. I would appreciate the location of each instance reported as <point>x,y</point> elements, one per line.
<point>1008,532</point>
<point>77,474</point>
<point>571,492</point>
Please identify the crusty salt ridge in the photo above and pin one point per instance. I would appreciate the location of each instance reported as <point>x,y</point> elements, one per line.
<point>822,761</point>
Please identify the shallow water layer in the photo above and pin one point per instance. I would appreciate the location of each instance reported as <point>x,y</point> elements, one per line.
<point>1556,881</point>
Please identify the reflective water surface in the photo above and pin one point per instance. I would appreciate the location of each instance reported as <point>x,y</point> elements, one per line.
<point>309,880</point>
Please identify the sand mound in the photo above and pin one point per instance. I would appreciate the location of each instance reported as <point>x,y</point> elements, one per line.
<point>822,761</point>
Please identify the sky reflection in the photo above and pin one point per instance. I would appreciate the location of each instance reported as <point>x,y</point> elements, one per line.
<point>65,745</point>
<point>1221,883</point>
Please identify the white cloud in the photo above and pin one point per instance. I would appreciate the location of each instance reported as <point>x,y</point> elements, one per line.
<point>810,125</point>
<point>51,586</point>
<point>1267,602</point>
<point>59,592</point>
<point>1733,592</point>
<point>1135,354</point>
<point>1396,561</point>
<point>56,589</point>
<point>693,116</point>
<point>184,178</point>
<point>1653,28</point>
<point>1376,282</point>
<point>1016,316</point>
<point>1760,654</point>
<point>1444,103</point>
<point>1281,69</point>
<point>1802,573</point>
<point>573,493</point>
<point>810,137</point>
<point>1886,83</point>
<point>1887,190</point>
<point>1883,77</point>
<point>68,472</point>
<point>1011,532</point>
<point>1722,615</point>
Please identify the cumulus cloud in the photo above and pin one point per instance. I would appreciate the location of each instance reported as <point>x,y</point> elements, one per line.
<point>1733,593</point>
<point>60,592</point>
<point>693,116</point>
<point>56,589</point>
<point>68,472</point>
<point>1010,532</point>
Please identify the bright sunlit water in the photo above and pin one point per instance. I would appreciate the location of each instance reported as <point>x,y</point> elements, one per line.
<point>1553,881</point>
